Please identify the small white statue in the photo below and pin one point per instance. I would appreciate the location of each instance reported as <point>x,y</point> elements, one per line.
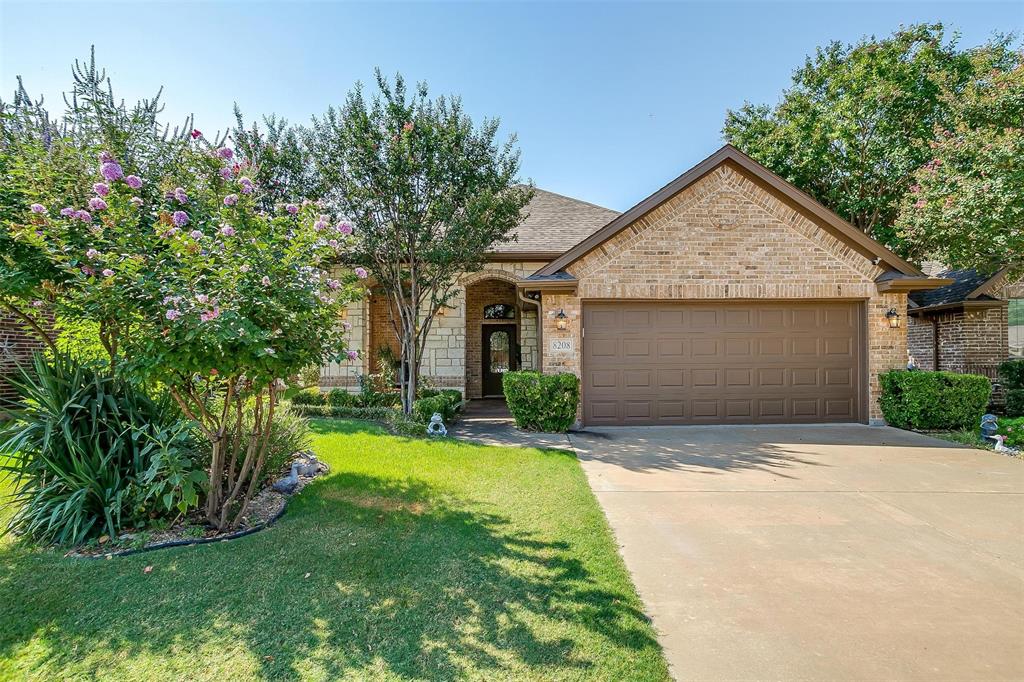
<point>436,426</point>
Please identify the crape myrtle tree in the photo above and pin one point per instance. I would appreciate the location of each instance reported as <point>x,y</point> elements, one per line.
<point>858,121</point>
<point>51,160</point>
<point>201,292</point>
<point>429,193</point>
<point>966,203</point>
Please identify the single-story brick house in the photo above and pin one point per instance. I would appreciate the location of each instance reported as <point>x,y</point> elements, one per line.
<point>970,325</point>
<point>727,296</point>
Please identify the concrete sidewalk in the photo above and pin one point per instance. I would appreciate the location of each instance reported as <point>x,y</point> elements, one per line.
<point>488,421</point>
<point>828,552</point>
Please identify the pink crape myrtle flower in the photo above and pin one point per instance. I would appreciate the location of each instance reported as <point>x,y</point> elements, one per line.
<point>225,173</point>
<point>246,184</point>
<point>208,315</point>
<point>179,218</point>
<point>67,212</point>
<point>137,201</point>
<point>111,170</point>
<point>97,204</point>
<point>196,234</point>
<point>227,231</point>
<point>133,181</point>
<point>196,134</point>
<point>101,188</point>
<point>231,200</point>
<point>92,253</point>
<point>202,298</point>
<point>265,281</point>
<point>291,208</point>
<point>84,216</point>
<point>107,272</point>
<point>245,267</point>
<point>360,273</point>
<point>172,314</point>
<point>344,227</point>
<point>37,208</point>
<point>180,196</point>
<point>352,355</point>
<point>225,153</point>
<point>333,284</point>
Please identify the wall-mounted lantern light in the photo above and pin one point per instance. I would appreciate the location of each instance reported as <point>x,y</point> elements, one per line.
<point>561,320</point>
<point>893,317</point>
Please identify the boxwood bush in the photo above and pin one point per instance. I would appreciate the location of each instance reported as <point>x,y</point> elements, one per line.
<point>1011,374</point>
<point>933,400</point>
<point>542,402</point>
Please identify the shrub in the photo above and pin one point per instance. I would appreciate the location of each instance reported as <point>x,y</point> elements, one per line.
<point>289,433</point>
<point>1015,402</point>
<point>402,424</point>
<point>1013,429</point>
<point>310,396</point>
<point>454,397</point>
<point>933,400</point>
<point>427,393</point>
<point>1011,373</point>
<point>91,453</point>
<point>542,402</point>
<point>339,397</point>
<point>424,408</point>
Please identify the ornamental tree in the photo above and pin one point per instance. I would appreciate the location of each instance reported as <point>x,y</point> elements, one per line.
<point>429,193</point>
<point>199,291</point>
<point>965,206</point>
<point>858,120</point>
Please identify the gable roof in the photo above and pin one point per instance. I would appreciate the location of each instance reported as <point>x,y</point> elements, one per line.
<point>554,224</point>
<point>968,285</point>
<point>767,179</point>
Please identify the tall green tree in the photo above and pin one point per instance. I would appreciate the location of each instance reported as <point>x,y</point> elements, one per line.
<point>428,191</point>
<point>965,205</point>
<point>859,120</point>
<point>275,157</point>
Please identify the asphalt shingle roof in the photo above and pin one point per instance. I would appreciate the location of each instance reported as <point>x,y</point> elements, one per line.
<point>965,282</point>
<point>556,223</point>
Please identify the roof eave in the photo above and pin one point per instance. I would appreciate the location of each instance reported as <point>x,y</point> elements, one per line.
<point>908,284</point>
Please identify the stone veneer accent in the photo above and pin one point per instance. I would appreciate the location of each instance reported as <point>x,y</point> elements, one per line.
<point>724,237</point>
<point>444,358</point>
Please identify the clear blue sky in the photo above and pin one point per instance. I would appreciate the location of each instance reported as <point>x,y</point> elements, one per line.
<point>609,100</point>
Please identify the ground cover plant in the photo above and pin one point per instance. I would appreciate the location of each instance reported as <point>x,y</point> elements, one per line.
<point>413,559</point>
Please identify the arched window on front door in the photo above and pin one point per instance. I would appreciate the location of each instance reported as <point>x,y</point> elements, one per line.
<point>499,311</point>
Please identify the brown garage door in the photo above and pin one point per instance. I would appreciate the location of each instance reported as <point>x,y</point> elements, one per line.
<point>710,363</point>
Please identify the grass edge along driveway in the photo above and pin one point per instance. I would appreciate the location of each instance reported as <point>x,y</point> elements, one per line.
<point>412,560</point>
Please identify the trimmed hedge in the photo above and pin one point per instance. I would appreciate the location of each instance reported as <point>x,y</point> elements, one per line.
<point>447,402</point>
<point>1011,373</point>
<point>310,396</point>
<point>370,413</point>
<point>542,402</point>
<point>339,397</point>
<point>933,400</point>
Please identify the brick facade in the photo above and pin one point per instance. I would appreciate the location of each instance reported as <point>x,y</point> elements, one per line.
<point>16,348</point>
<point>724,237</point>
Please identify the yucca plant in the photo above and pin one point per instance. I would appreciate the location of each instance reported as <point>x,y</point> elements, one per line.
<point>78,448</point>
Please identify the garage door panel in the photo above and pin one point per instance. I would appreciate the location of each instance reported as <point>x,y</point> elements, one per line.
<point>763,362</point>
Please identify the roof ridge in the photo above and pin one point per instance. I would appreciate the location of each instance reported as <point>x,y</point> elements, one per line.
<point>578,201</point>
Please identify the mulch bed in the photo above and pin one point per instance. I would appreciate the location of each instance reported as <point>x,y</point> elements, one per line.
<point>266,507</point>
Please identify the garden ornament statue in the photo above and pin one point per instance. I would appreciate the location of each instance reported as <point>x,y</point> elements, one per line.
<point>308,464</point>
<point>989,426</point>
<point>999,438</point>
<point>436,426</point>
<point>288,484</point>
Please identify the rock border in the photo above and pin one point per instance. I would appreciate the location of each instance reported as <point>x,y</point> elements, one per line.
<point>323,470</point>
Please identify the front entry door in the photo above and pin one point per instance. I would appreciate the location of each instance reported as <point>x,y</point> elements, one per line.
<point>499,356</point>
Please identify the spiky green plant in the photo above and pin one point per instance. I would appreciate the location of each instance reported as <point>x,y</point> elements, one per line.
<point>77,448</point>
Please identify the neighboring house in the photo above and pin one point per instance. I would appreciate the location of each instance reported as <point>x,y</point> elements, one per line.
<point>727,296</point>
<point>16,349</point>
<point>970,325</point>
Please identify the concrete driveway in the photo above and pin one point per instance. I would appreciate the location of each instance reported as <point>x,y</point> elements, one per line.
<point>818,552</point>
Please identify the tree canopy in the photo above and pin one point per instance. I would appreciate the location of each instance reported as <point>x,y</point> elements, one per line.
<point>429,193</point>
<point>859,121</point>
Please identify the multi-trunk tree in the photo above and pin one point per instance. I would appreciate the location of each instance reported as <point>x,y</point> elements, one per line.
<point>429,194</point>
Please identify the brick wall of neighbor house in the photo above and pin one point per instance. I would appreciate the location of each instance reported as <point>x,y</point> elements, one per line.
<point>16,348</point>
<point>724,237</point>
<point>967,339</point>
<point>921,342</point>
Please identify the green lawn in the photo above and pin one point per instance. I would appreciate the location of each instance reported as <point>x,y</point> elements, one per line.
<point>426,560</point>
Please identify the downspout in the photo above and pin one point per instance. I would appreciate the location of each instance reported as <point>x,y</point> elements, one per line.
<point>540,328</point>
